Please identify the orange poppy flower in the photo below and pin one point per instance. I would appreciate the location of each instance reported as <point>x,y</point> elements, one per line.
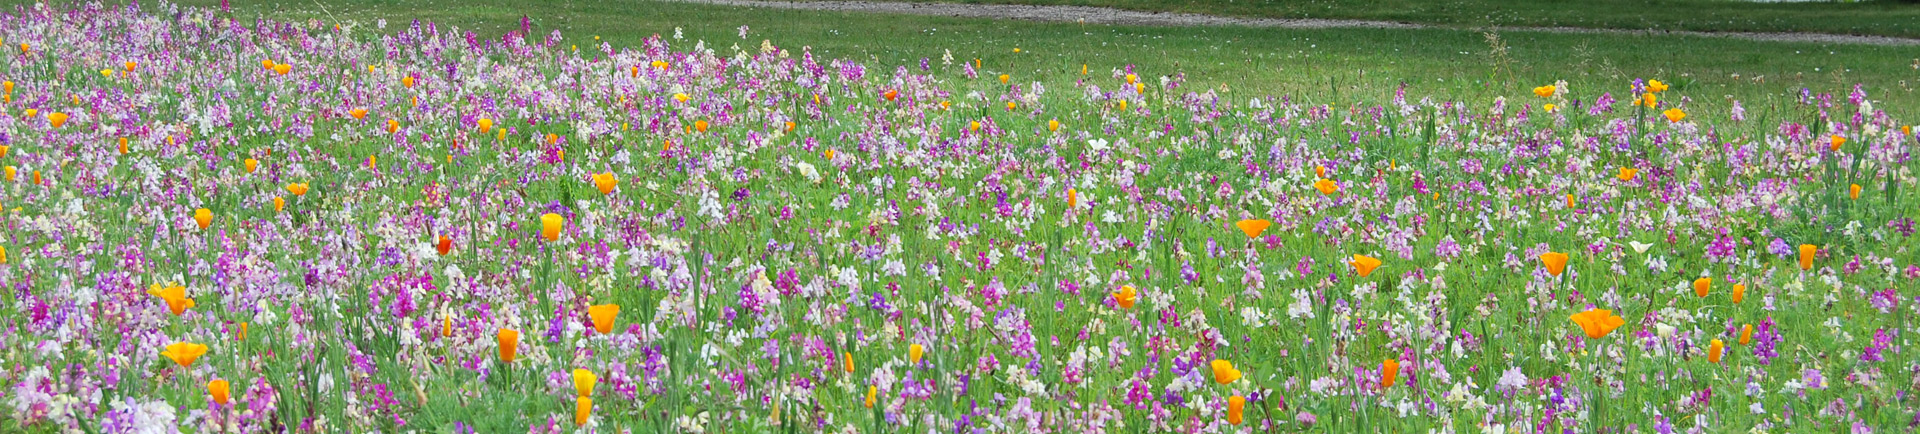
<point>279,204</point>
<point>1004,78</point>
<point>219,390</point>
<point>183,353</point>
<point>603,316</point>
<point>56,119</point>
<point>446,326</point>
<point>1364,264</point>
<point>1806,256</point>
<point>914,353</point>
<point>1715,350</point>
<point>605,182</point>
<point>297,188</point>
<point>174,295</point>
<point>1073,198</point>
<point>130,65</point>
<point>849,358</point>
<point>1746,334</point>
<point>445,245</point>
<point>252,164</point>
<point>1326,186</point>
<point>828,154</point>
<point>358,114</point>
<point>700,126</point>
<point>1853,192</point>
<point>582,409</point>
<point>407,81</point>
<point>393,125</point>
<point>1701,285</point>
<point>1389,373</point>
<point>1053,125</point>
<point>583,381</point>
<point>872,391</point>
<point>1236,409</point>
<point>1739,293</point>
<point>1253,228</point>
<point>891,94</point>
<point>282,68</point>
<point>1597,323</point>
<point>789,126</point>
<point>123,146</point>
<point>1126,296</point>
<point>1556,262</point>
<point>550,225</point>
<point>1674,115</point>
<point>485,124</point>
<point>509,340</point>
<point>1627,173</point>
<point>203,216</point>
<point>1224,372</point>
<point>1834,142</point>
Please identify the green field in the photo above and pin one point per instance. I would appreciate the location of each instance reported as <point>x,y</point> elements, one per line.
<point>643,217</point>
<point>1883,18</point>
<point>1334,65</point>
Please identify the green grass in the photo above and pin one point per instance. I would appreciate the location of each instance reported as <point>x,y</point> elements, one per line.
<point>1883,18</point>
<point>1340,65</point>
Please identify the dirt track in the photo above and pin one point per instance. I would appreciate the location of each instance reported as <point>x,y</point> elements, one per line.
<point>1099,15</point>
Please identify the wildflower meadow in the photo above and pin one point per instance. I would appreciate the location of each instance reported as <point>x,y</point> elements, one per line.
<point>217,223</point>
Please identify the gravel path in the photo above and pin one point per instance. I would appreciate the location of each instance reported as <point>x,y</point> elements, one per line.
<point>1100,15</point>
